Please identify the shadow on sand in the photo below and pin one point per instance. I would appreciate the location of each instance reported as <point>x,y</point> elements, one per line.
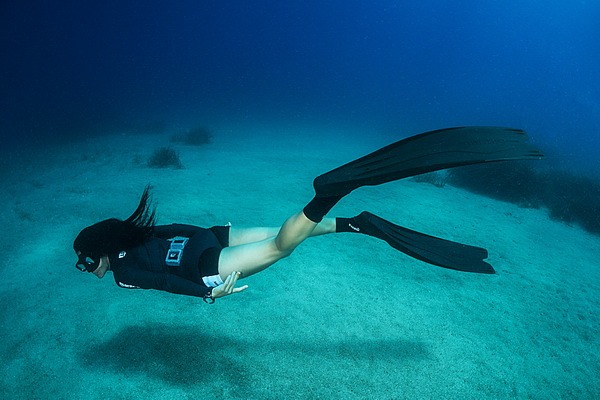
<point>187,355</point>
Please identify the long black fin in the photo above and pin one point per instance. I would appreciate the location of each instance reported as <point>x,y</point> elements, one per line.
<point>430,249</point>
<point>427,152</point>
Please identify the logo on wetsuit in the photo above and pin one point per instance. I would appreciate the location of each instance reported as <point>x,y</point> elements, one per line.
<point>175,252</point>
<point>126,286</point>
<point>354,228</point>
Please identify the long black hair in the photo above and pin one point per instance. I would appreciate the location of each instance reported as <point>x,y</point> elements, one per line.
<point>114,235</point>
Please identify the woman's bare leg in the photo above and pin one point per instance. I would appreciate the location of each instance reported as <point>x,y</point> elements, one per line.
<point>238,236</point>
<point>250,258</point>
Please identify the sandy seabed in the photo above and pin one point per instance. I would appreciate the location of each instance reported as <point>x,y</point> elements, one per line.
<point>345,317</point>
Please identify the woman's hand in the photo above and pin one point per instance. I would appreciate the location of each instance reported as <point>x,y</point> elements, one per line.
<point>228,287</point>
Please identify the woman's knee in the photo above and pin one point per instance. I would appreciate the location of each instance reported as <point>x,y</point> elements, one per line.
<point>279,252</point>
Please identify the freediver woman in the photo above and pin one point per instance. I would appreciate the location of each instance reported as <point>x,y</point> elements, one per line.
<point>207,263</point>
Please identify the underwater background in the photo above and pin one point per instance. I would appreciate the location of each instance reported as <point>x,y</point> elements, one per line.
<point>85,68</point>
<point>255,99</point>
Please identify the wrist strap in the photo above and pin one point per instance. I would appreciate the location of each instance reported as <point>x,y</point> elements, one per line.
<point>208,299</point>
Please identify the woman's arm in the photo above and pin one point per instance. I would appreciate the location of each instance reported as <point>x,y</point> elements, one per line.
<point>134,278</point>
<point>137,278</point>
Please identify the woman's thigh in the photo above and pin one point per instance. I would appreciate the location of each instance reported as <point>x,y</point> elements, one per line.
<point>249,258</point>
<point>238,236</point>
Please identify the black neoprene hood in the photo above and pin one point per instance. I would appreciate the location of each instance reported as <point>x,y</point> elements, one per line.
<point>98,239</point>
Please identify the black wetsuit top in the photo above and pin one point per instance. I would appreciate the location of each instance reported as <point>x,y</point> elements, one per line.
<point>144,267</point>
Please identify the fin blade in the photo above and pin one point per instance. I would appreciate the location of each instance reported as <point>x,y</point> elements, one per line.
<point>427,152</point>
<point>430,249</point>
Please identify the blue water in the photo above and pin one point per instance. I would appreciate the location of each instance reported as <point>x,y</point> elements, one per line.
<point>89,68</point>
<point>343,317</point>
